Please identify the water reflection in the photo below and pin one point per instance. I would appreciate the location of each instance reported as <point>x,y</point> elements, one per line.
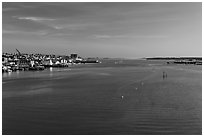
<point>8,74</point>
<point>51,69</point>
<point>51,72</point>
<point>17,72</point>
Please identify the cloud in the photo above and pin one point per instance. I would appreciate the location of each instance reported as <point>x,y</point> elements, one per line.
<point>128,36</point>
<point>30,23</point>
<point>5,31</point>
<point>8,32</point>
<point>37,19</point>
<point>9,9</point>
<point>58,27</point>
<point>102,36</point>
<point>76,26</point>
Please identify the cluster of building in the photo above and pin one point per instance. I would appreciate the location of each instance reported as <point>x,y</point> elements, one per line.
<point>19,61</point>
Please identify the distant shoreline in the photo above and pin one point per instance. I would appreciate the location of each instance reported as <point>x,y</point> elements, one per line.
<point>173,58</point>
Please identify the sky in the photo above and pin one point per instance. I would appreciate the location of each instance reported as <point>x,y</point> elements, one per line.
<point>117,30</point>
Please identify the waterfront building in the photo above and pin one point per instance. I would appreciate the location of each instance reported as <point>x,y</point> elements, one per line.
<point>4,60</point>
<point>74,56</point>
<point>51,63</point>
<point>21,61</point>
<point>32,63</point>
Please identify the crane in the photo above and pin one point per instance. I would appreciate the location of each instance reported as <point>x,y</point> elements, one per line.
<point>18,51</point>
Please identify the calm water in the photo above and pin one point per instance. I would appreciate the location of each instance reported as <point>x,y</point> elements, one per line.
<point>87,99</point>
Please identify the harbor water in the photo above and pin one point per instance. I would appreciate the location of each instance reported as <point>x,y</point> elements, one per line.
<point>115,97</point>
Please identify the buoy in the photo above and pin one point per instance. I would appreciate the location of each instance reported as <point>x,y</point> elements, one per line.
<point>122,97</point>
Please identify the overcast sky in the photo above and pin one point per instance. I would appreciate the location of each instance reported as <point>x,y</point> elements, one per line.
<point>128,30</point>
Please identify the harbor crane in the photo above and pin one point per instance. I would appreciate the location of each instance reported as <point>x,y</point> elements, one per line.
<point>18,51</point>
